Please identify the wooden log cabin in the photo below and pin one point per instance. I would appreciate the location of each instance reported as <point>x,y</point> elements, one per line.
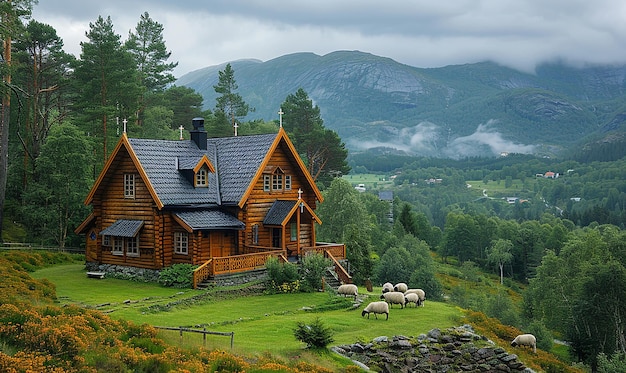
<point>224,204</point>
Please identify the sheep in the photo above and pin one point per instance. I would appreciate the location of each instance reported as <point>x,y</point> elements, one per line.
<point>525,340</point>
<point>387,287</point>
<point>420,293</point>
<point>375,308</point>
<point>348,289</point>
<point>412,298</point>
<point>401,287</point>
<point>394,297</point>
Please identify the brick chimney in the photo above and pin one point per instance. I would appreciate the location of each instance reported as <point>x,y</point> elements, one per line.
<point>198,134</point>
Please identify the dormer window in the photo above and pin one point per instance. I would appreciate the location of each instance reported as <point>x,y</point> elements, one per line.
<point>202,178</point>
<point>275,179</point>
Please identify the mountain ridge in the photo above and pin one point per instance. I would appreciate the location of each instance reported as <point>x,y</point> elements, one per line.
<point>477,109</point>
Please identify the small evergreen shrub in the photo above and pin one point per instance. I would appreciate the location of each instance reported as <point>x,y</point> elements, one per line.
<point>315,335</point>
<point>177,275</point>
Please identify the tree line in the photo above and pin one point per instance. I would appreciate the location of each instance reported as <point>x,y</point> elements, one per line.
<point>62,116</point>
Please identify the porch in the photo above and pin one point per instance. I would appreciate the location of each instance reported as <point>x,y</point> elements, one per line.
<point>257,257</point>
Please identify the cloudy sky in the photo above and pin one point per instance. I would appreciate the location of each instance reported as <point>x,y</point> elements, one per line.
<point>420,33</point>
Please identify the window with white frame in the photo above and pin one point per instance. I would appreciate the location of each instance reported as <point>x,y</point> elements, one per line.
<point>287,182</point>
<point>129,186</point>
<point>266,183</point>
<point>181,243</point>
<point>201,178</point>
<point>118,246</point>
<point>132,246</point>
<point>277,182</point>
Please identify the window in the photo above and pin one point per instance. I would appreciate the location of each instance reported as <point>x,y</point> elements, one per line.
<point>255,234</point>
<point>118,246</point>
<point>266,183</point>
<point>277,182</point>
<point>132,246</point>
<point>129,186</point>
<point>294,232</point>
<point>106,240</point>
<point>201,178</point>
<point>181,243</point>
<point>287,182</point>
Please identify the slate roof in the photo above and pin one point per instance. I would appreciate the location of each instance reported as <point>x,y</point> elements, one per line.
<point>236,160</point>
<point>278,212</point>
<point>123,228</point>
<point>209,219</point>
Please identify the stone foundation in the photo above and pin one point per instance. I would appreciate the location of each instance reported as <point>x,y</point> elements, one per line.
<point>124,272</point>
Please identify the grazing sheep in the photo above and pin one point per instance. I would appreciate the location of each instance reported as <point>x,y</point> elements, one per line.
<point>525,340</point>
<point>401,287</point>
<point>420,293</point>
<point>387,287</point>
<point>394,297</point>
<point>375,308</point>
<point>412,298</point>
<point>348,289</point>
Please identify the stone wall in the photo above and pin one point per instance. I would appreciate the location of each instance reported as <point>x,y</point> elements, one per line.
<point>453,350</point>
<point>124,272</point>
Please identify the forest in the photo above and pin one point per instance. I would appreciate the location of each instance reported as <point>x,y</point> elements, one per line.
<point>560,243</point>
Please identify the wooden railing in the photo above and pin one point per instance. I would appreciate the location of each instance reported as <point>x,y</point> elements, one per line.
<point>341,272</point>
<point>337,250</point>
<point>202,273</point>
<point>247,262</point>
<point>333,251</point>
<point>233,264</point>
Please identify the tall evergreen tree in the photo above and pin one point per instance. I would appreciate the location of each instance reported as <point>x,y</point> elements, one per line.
<point>230,104</point>
<point>44,74</point>
<point>106,81</point>
<point>321,149</point>
<point>11,13</point>
<point>147,46</point>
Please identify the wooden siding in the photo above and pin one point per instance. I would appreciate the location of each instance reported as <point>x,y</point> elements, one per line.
<point>110,198</point>
<point>259,203</point>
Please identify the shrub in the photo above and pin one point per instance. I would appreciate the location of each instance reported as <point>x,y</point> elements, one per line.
<point>543,335</point>
<point>315,335</point>
<point>177,275</point>
<point>282,277</point>
<point>313,268</point>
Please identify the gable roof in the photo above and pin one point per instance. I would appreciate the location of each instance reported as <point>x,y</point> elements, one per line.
<point>235,164</point>
<point>282,210</point>
<point>123,228</point>
<point>208,220</point>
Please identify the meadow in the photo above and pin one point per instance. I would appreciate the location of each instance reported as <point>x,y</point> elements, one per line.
<point>261,323</point>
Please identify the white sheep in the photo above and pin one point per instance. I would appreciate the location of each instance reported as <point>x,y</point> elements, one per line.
<point>348,289</point>
<point>375,308</point>
<point>419,292</point>
<point>525,340</point>
<point>412,298</point>
<point>387,287</point>
<point>394,297</point>
<point>401,287</point>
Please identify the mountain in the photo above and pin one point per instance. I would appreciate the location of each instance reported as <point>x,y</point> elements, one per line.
<point>453,111</point>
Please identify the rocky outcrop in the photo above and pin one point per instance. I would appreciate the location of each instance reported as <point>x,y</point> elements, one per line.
<point>452,350</point>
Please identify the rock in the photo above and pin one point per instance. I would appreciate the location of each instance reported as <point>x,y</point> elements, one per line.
<point>452,350</point>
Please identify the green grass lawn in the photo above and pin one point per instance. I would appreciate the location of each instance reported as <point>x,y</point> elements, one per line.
<point>261,323</point>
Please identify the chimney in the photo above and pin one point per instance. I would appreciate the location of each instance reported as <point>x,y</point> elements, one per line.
<point>198,134</point>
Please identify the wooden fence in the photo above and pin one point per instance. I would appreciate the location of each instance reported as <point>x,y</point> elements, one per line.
<point>203,331</point>
<point>32,246</point>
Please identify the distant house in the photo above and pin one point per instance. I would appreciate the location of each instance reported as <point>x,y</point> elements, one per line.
<point>360,187</point>
<point>551,175</point>
<point>511,200</point>
<point>224,204</point>
<point>433,181</point>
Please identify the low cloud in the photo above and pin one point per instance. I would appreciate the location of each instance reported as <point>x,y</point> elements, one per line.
<point>429,139</point>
